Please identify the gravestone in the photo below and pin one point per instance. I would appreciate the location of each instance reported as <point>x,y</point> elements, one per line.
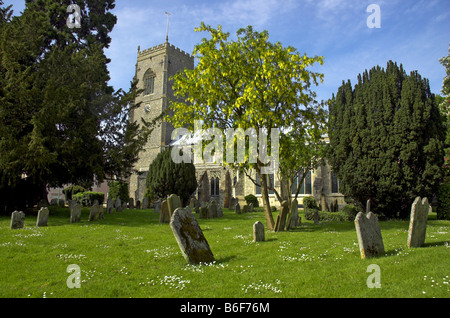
<point>124,206</point>
<point>245,209</point>
<point>75,212</point>
<point>174,202</point>
<point>109,206</point>
<point>17,220</point>
<point>42,217</point>
<point>131,203</point>
<point>369,235</point>
<point>164,215</point>
<point>145,203</point>
<point>237,208</point>
<point>93,213</point>
<point>138,204</point>
<point>118,205</point>
<point>418,222</point>
<point>281,217</point>
<point>203,212</point>
<point>157,206</point>
<point>190,238</point>
<point>368,206</point>
<point>219,212</point>
<point>292,219</point>
<point>212,209</point>
<point>192,203</point>
<point>258,232</point>
<point>250,207</point>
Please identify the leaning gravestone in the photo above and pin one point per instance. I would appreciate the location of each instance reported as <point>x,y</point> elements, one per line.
<point>75,212</point>
<point>17,220</point>
<point>164,216</point>
<point>174,202</point>
<point>369,235</point>
<point>190,238</point>
<point>42,217</point>
<point>418,222</point>
<point>258,232</point>
<point>292,219</point>
<point>281,218</point>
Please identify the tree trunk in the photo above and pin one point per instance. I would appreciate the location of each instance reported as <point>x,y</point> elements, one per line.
<point>266,203</point>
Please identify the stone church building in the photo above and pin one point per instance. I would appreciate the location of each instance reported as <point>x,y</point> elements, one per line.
<point>154,67</point>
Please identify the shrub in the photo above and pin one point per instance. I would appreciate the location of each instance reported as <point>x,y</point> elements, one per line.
<point>327,216</point>
<point>87,198</point>
<point>251,199</point>
<point>443,198</point>
<point>309,212</point>
<point>118,189</point>
<point>70,191</point>
<point>351,210</point>
<point>165,177</point>
<point>310,202</point>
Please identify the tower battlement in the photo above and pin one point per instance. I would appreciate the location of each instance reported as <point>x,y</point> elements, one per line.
<point>160,47</point>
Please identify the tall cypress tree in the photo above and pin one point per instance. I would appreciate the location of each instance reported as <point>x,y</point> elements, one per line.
<point>386,139</point>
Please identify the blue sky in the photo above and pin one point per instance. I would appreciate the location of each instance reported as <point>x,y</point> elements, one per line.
<point>415,33</point>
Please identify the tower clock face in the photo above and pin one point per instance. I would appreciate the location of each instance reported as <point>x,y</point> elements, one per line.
<point>147,108</point>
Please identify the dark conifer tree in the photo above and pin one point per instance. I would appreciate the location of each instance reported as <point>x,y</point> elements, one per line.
<point>386,139</point>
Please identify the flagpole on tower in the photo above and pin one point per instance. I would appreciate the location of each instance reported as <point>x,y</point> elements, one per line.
<point>167,31</point>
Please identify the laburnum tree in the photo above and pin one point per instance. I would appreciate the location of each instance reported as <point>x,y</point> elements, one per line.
<point>61,121</point>
<point>386,139</point>
<point>247,83</point>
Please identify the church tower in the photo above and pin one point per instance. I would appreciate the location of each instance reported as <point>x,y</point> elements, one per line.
<point>154,67</point>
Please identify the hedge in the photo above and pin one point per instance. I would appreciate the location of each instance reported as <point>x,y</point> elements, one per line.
<point>87,198</point>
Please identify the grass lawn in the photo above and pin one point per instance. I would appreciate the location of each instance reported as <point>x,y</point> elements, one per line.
<point>129,254</point>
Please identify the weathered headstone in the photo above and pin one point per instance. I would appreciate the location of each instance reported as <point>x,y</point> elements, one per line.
<point>250,207</point>
<point>124,206</point>
<point>245,209</point>
<point>109,206</point>
<point>190,238</point>
<point>100,212</point>
<point>418,222</point>
<point>203,212</point>
<point>157,206</point>
<point>258,232</point>
<point>145,203</point>
<point>75,212</point>
<point>138,204</point>
<point>212,209</point>
<point>17,220</point>
<point>164,215</point>
<point>42,217</point>
<point>281,218</point>
<point>369,235</point>
<point>192,203</point>
<point>237,208</point>
<point>292,218</point>
<point>118,205</point>
<point>174,202</point>
<point>93,213</point>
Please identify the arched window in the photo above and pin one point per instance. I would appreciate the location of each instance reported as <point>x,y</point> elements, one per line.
<point>212,186</point>
<point>149,82</point>
<point>217,186</point>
